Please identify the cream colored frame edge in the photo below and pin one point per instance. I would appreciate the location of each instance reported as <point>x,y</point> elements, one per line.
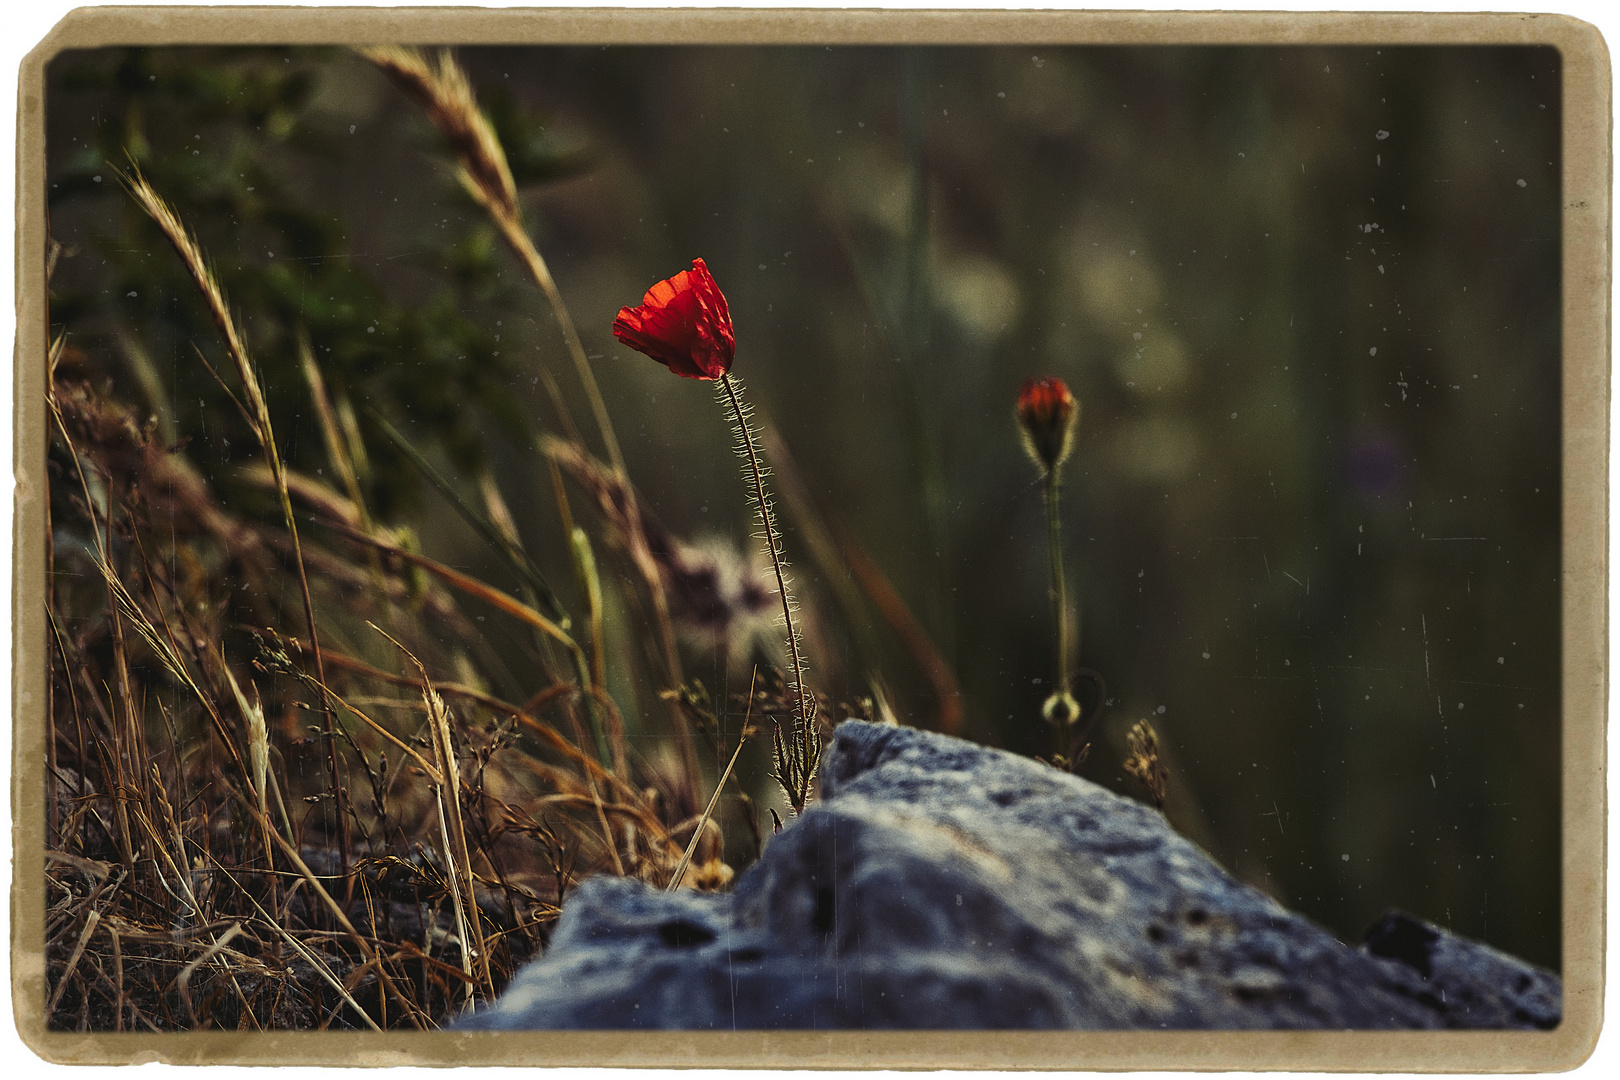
<point>1587,223</point>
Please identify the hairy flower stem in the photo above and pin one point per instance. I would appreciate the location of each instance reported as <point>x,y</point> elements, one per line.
<point>1060,603</point>
<point>755,475</point>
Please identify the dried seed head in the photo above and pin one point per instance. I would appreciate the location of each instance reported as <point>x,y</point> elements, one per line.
<point>258,734</point>
<point>1144,762</point>
<point>1047,416</point>
<point>442,87</point>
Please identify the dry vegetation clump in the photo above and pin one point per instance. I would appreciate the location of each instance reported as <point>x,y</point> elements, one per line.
<point>291,784</point>
<point>196,872</point>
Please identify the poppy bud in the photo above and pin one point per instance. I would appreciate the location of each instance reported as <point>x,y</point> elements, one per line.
<point>1046,415</point>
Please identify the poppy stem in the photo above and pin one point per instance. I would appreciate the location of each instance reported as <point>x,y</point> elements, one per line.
<point>1060,608</point>
<point>1060,599</point>
<point>756,475</point>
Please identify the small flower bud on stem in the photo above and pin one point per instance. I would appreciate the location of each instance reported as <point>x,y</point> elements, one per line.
<point>1047,414</point>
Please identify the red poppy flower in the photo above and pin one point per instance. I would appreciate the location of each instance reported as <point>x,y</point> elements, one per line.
<point>1046,413</point>
<point>683,323</point>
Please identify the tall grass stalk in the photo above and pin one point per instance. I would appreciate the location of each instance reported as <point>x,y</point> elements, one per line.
<point>203,277</point>
<point>444,90</point>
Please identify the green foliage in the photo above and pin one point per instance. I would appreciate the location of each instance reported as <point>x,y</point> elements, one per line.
<point>233,138</point>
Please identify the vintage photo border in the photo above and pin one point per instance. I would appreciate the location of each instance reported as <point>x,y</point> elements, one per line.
<point>1587,123</point>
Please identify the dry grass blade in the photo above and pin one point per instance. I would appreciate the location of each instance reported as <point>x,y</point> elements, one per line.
<point>90,922</point>
<point>720,785</point>
<point>512,606</point>
<point>315,884</point>
<point>433,774</point>
<point>590,583</point>
<point>522,714</point>
<point>650,546</point>
<point>500,532</point>
<point>183,980</point>
<point>467,584</point>
<point>462,909</point>
<point>312,958</point>
<point>94,869</point>
<point>653,551</point>
<point>162,644</point>
<point>118,975</point>
<point>412,1011</point>
<point>609,843</point>
<point>53,357</point>
<point>325,973</point>
<point>500,515</point>
<point>501,541</point>
<point>337,449</point>
<point>258,740</point>
<point>457,855</point>
<point>203,277</point>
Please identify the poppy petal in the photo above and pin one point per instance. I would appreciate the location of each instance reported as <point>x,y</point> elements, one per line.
<point>684,323</point>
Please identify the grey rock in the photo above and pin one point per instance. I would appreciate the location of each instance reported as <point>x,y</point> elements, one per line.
<point>939,884</point>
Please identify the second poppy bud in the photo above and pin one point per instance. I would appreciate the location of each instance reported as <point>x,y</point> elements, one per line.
<point>1047,414</point>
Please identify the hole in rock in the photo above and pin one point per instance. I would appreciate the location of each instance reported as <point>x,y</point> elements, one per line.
<point>680,934</point>
<point>823,917</point>
<point>1400,937</point>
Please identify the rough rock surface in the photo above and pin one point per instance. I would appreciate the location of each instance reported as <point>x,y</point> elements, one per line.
<point>939,884</point>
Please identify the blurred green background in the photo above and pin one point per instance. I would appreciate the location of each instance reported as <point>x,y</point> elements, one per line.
<point>1309,298</point>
